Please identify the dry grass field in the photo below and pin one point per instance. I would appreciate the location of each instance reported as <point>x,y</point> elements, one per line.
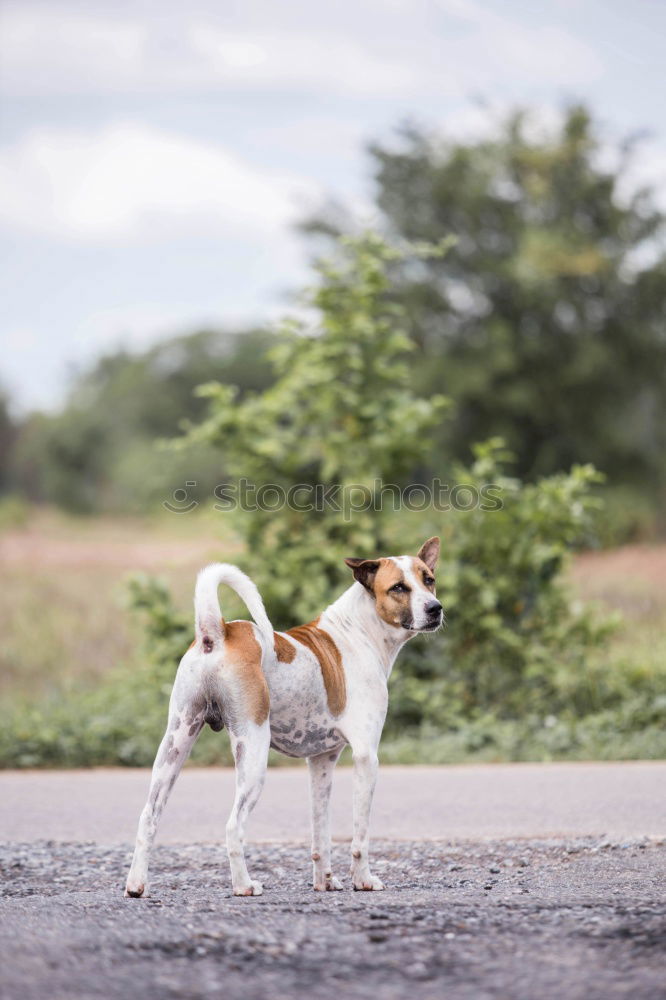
<point>64,622</point>
<point>630,580</point>
<point>63,617</point>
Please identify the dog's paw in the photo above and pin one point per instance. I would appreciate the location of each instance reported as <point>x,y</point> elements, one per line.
<point>253,889</point>
<point>330,884</point>
<point>135,889</point>
<point>368,884</point>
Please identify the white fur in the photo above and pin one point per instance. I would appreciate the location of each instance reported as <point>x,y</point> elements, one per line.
<point>207,607</point>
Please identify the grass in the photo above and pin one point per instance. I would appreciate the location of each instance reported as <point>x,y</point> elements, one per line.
<point>64,627</point>
<point>63,615</point>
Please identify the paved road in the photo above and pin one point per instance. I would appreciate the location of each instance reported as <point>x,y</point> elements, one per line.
<point>511,882</point>
<point>472,803</point>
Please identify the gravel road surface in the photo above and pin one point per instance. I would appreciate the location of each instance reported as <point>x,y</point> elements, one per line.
<point>528,882</point>
<point>514,920</point>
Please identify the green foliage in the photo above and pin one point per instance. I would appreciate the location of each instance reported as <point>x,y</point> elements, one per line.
<point>7,440</point>
<point>545,322</point>
<point>99,454</point>
<point>121,720</point>
<point>516,645</point>
<point>13,512</point>
<point>340,412</point>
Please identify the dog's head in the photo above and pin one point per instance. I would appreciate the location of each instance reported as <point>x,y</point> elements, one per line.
<point>403,588</point>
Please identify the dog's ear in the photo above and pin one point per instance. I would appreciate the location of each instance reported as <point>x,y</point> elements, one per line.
<point>429,553</point>
<point>364,571</point>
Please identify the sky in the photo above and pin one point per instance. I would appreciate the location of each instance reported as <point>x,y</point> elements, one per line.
<point>155,156</point>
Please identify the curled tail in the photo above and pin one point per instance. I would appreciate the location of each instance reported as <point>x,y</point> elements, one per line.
<point>208,622</point>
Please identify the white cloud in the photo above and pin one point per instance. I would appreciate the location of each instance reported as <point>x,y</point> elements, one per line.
<point>65,50</point>
<point>324,62</point>
<point>646,169</point>
<point>132,181</point>
<point>390,52</point>
<point>61,50</point>
<point>499,45</point>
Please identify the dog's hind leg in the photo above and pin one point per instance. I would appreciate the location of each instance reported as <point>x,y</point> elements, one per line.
<point>250,749</point>
<point>321,780</point>
<point>182,730</point>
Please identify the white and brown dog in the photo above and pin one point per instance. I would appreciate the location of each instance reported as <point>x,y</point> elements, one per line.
<point>307,692</point>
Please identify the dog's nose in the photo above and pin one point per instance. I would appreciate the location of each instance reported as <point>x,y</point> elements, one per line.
<point>433,608</point>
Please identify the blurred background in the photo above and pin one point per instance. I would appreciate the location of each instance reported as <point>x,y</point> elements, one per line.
<point>171,179</point>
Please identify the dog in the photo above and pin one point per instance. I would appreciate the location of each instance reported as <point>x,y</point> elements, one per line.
<point>307,692</point>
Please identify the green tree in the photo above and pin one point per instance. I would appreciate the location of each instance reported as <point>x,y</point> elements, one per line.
<point>98,452</point>
<point>7,441</point>
<point>546,323</point>
<point>340,413</point>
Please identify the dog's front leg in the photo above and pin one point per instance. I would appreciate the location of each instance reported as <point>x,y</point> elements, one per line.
<point>365,777</point>
<point>321,780</point>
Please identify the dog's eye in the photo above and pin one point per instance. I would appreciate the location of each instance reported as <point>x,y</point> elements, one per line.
<point>429,580</point>
<point>399,588</point>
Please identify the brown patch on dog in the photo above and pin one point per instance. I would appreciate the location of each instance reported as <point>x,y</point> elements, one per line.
<point>392,606</point>
<point>242,653</point>
<point>423,574</point>
<point>284,650</point>
<point>319,642</point>
<point>364,571</point>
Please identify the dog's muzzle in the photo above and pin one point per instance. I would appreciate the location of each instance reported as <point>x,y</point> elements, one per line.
<point>434,616</point>
<point>434,619</point>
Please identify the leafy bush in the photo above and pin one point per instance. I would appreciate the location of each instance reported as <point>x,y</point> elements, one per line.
<point>341,413</point>
<point>516,644</point>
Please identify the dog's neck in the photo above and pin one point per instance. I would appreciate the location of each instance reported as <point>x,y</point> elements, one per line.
<point>353,617</point>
